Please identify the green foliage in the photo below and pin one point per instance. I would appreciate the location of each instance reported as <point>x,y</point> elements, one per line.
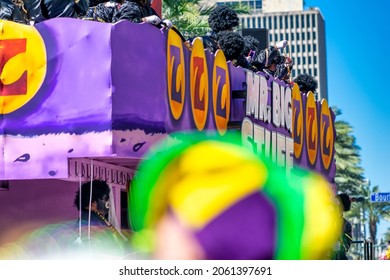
<point>190,17</point>
<point>349,174</point>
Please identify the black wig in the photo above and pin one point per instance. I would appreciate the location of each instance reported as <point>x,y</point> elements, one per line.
<point>231,43</point>
<point>99,189</point>
<point>306,83</point>
<point>223,18</point>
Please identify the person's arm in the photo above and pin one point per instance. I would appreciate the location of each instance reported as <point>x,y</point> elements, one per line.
<point>347,236</point>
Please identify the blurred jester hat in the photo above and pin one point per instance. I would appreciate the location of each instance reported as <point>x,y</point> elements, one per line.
<point>236,204</point>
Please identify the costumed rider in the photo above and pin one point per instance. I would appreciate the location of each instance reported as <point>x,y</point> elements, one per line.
<point>269,59</point>
<point>306,83</point>
<point>233,44</point>
<point>10,11</point>
<point>222,18</point>
<point>40,10</point>
<point>140,11</point>
<point>104,11</point>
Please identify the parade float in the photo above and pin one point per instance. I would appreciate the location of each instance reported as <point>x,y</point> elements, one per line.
<point>82,100</point>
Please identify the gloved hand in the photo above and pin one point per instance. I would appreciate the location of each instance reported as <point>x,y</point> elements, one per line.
<point>289,61</point>
<point>152,19</point>
<point>167,23</point>
<point>281,44</point>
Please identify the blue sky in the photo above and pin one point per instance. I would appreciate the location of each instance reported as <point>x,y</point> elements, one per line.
<point>358,59</point>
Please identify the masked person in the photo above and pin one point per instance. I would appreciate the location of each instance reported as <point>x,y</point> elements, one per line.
<point>140,11</point>
<point>222,18</point>
<point>94,225</point>
<point>40,10</point>
<point>103,12</point>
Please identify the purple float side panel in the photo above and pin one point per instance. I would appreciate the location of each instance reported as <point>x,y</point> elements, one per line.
<point>31,204</point>
<point>237,83</point>
<point>139,87</point>
<point>71,109</point>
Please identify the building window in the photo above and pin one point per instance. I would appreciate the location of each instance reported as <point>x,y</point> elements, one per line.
<point>253,22</point>
<point>298,48</point>
<point>292,21</point>
<point>281,22</point>
<point>315,47</point>
<point>285,22</point>
<point>275,23</point>
<point>242,22</point>
<point>298,36</point>
<point>310,72</point>
<point>259,22</point>
<point>259,4</point>
<point>303,48</point>
<point>264,22</point>
<point>303,36</point>
<point>315,59</point>
<point>303,21</point>
<point>269,23</point>
<point>314,35</point>
<point>270,37</point>
<point>281,36</point>
<point>252,4</point>
<point>309,60</point>
<point>297,21</point>
<point>304,60</point>
<point>313,20</point>
<point>293,72</point>
<point>292,48</point>
<point>276,37</point>
<point>308,35</point>
<point>287,37</point>
<point>308,20</point>
<point>299,61</point>
<point>309,48</point>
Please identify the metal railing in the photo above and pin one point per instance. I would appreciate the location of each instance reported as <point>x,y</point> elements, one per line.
<point>368,248</point>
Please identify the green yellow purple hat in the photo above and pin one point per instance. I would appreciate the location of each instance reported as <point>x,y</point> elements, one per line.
<point>236,204</point>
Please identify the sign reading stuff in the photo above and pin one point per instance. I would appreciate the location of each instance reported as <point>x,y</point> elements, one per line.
<point>288,126</point>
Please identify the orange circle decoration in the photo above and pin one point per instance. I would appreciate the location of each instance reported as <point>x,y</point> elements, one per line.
<point>23,65</point>
<point>221,92</point>
<point>175,74</point>
<point>297,121</point>
<point>326,135</point>
<point>199,81</point>
<point>311,128</point>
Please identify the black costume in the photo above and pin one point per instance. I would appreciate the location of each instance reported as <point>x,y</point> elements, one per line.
<point>10,11</point>
<point>40,10</point>
<point>103,12</point>
<point>344,242</point>
<point>222,18</point>
<point>133,11</point>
